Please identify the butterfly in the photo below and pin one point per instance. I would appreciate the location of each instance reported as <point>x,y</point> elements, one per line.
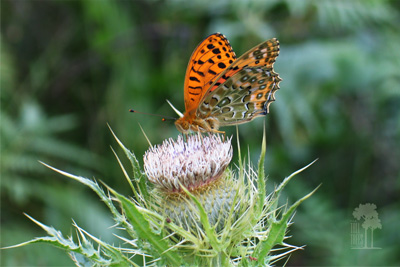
<point>222,90</point>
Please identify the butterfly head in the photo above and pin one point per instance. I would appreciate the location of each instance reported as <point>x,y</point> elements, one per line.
<point>182,125</point>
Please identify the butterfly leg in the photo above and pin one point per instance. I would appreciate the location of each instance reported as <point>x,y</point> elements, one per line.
<point>220,132</point>
<point>200,135</point>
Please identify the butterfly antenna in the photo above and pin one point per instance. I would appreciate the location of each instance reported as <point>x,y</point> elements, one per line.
<point>176,110</point>
<point>164,118</point>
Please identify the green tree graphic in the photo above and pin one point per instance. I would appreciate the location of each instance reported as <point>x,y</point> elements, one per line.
<point>368,213</point>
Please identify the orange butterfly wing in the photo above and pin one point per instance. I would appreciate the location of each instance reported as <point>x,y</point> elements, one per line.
<point>262,55</point>
<point>210,58</point>
<point>245,89</point>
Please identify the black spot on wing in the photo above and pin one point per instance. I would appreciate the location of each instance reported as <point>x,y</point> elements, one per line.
<point>198,72</point>
<point>194,79</point>
<point>195,88</point>
<point>216,51</point>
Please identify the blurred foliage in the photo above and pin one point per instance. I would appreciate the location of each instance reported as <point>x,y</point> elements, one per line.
<point>70,67</point>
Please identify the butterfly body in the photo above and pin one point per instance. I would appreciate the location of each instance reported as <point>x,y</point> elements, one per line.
<point>191,122</point>
<point>221,90</point>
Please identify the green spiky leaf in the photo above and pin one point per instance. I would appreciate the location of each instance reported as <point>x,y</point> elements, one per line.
<point>144,231</point>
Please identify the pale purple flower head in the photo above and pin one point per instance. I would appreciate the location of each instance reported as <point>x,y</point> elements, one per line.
<point>194,163</point>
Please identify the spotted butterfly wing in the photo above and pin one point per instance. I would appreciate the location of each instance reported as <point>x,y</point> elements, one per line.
<point>245,89</point>
<point>209,59</point>
<point>220,90</point>
<point>242,97</point>
<point>264,54</point>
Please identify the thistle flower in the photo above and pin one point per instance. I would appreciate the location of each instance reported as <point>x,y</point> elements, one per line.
<point>197,213</point>
<point>194,163</point>
<point>198,164</point>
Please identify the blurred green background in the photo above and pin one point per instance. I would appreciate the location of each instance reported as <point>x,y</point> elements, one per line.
<point>70,67</point>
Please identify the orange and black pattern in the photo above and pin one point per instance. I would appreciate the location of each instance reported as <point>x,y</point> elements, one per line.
<point>222,90</point>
